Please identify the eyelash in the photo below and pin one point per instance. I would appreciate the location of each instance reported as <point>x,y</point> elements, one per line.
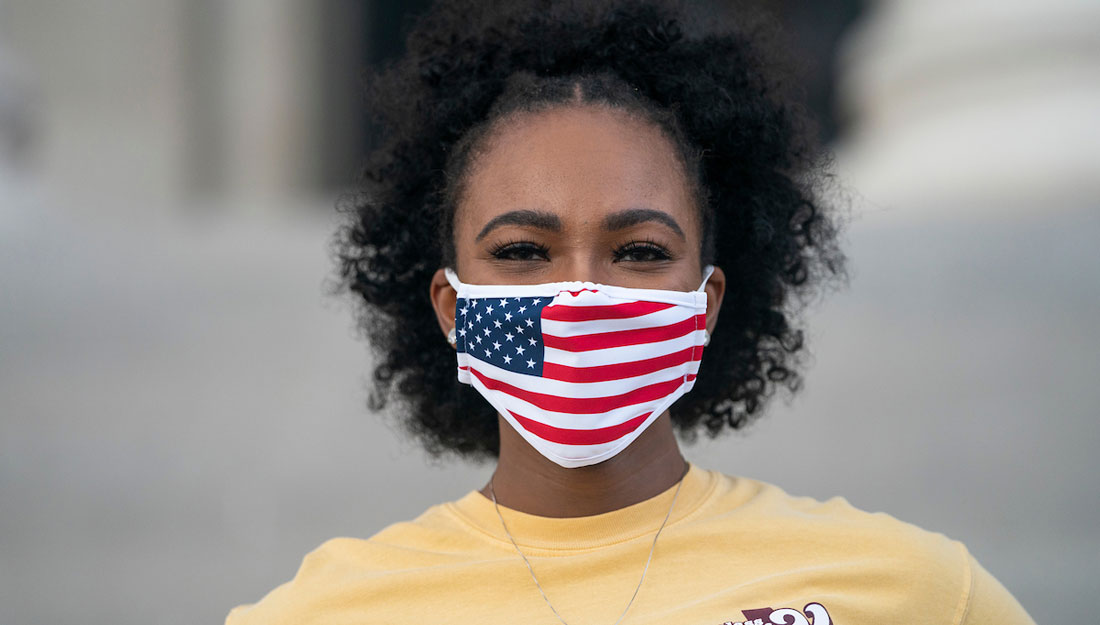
<point>507,249</point>
<point>501,251</point>
<point>646,245</point>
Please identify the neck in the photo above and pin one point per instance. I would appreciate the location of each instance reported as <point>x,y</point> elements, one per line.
<point>524,480</point>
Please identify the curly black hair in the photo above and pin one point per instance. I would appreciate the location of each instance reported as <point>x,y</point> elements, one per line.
<point>715,88</point>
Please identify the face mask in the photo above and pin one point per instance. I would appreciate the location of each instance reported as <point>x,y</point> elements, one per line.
<point>579,369</point>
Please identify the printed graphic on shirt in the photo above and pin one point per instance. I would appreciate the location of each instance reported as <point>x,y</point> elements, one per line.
<point>812,614</point>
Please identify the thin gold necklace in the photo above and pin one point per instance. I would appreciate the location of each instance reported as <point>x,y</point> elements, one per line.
<point>492,493</point>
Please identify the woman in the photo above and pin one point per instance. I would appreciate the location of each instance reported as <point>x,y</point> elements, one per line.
<point>569,208</point>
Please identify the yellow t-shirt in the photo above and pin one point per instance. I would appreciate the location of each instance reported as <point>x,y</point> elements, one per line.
<point>734,550</point>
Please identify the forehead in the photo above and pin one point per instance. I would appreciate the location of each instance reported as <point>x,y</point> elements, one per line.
<point>577,161</point>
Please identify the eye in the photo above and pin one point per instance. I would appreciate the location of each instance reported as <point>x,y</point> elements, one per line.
<point>642,251</point>
<point>519,250</point>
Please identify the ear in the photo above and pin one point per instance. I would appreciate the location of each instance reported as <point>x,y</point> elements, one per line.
<point>444,298</point>
<point>715,289</point>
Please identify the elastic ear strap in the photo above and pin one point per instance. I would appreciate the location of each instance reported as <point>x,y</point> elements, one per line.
<point>709,269</point>
<point>452,277</point>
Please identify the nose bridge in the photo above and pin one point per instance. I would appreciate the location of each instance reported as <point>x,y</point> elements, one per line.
<point>580,263</point>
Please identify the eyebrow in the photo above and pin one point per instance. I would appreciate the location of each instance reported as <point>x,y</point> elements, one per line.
<point>550,221</point>
<point>529,218</point>
<point>635,216</point>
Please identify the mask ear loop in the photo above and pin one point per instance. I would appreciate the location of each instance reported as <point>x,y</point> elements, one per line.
<point>707,271</point>
<point>452,278</point>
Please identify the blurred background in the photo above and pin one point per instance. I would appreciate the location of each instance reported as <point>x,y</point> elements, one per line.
<point>182,408</point>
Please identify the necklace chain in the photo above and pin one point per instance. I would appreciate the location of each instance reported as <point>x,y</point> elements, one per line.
<point>496,506</point>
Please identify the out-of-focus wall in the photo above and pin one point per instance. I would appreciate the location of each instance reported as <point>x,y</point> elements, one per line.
<point>110,126</point>
<point>170,106</point>
<point>182,409</point>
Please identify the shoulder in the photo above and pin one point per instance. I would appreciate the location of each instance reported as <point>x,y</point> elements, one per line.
<point>336,576</point>
<point>287,602</point>
<point>809,530</point>
<point>745,504</point>
<point>880,563</point>
<point>315,589</point>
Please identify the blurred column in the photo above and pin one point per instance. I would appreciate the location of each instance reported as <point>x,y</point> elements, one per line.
<point>17,129</point>
<point>274,100</point>
<point>271,89</point>
<point>970,106</point>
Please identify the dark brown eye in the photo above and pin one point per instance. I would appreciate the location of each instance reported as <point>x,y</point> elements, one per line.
<point>641,251</point>
<point>520,250</point>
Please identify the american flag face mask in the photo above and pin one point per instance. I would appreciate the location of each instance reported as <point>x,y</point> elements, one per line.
<point>579,369</point>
